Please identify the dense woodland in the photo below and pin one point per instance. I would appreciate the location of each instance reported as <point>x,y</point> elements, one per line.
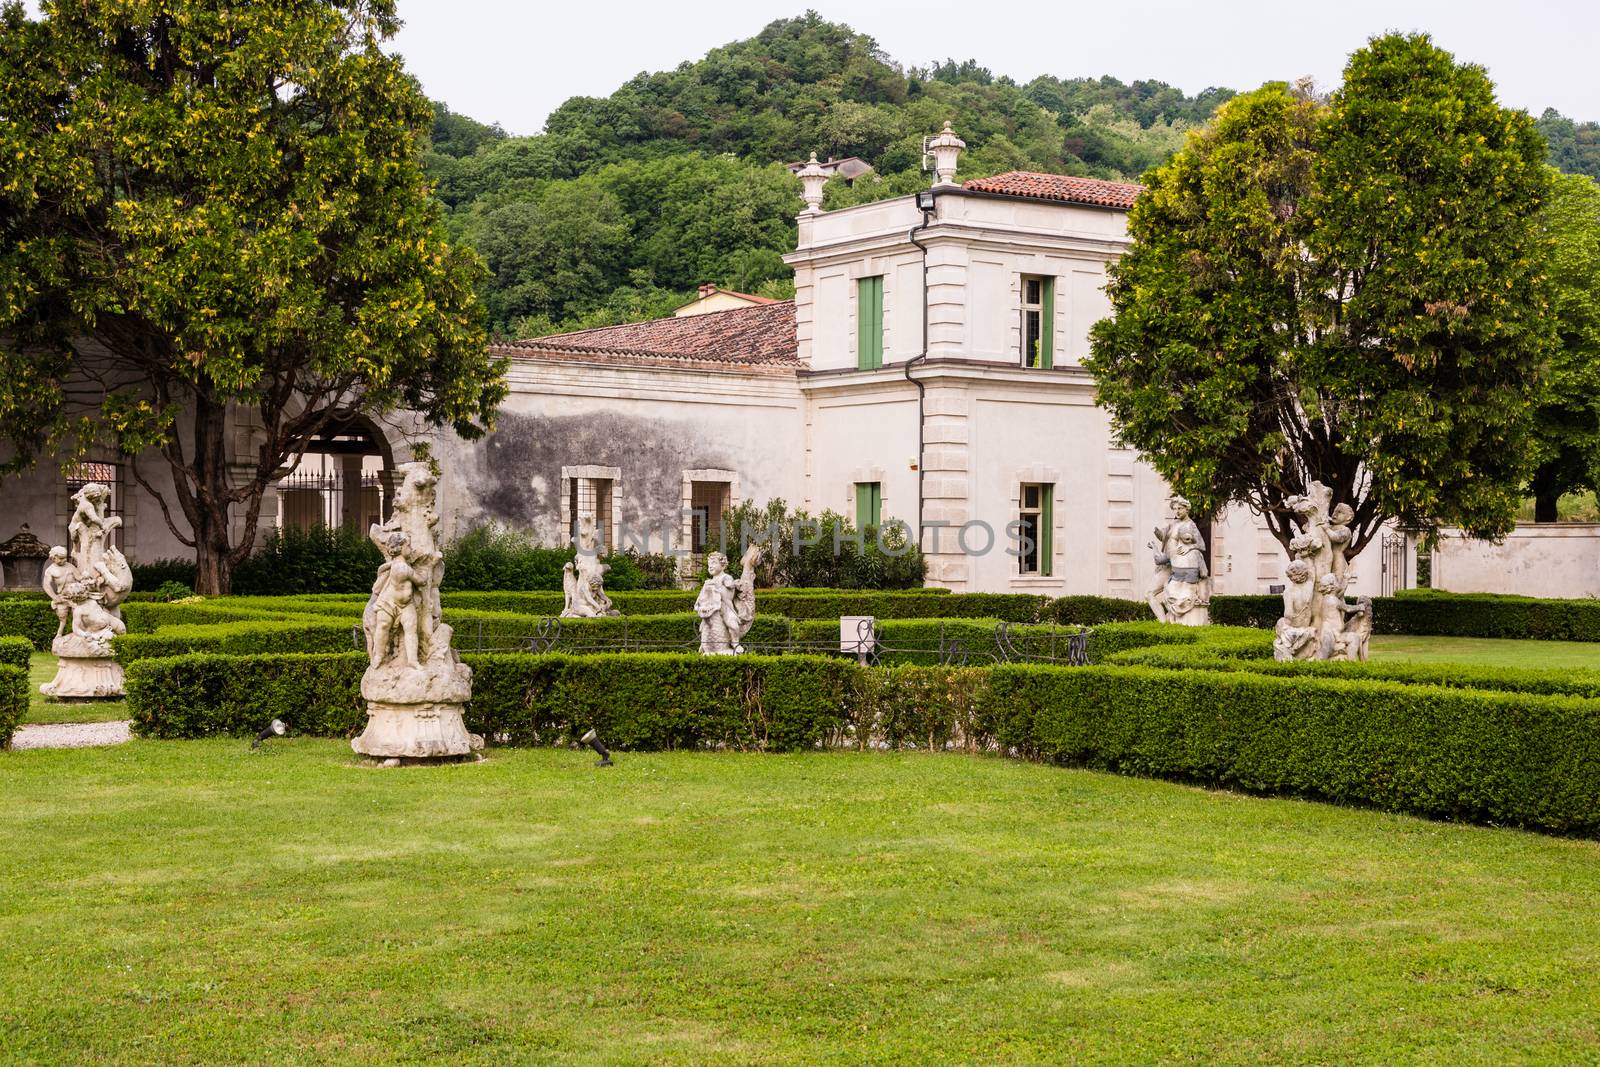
<point>624,204</point>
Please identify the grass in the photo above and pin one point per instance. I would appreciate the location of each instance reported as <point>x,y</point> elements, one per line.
<point>1496,652</point>
<point>196,903</point>
<point>42,668</point>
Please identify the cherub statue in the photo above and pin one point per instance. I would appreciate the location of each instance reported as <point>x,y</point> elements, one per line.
<point>1338,533</point>
<point>56,577</point>
<point>396,606</point>
<point>1296,630</point>
<point>91,620</point>
<point>1357,631</point>
<point>90,525</point>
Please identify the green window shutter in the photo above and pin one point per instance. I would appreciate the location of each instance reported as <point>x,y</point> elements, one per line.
<point>869,504</point>
<point>869,323</point>
<point>1047,334</point>
<point>1047,518</point>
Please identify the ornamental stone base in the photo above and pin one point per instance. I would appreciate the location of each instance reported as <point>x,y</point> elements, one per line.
<point>429,731</point>
<point>85,678</point>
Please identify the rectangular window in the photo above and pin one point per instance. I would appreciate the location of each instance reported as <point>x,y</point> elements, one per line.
<point>1038,321</point>
<point>591,499</point>
<point>869,323</point>
<point>708,501</point>
<point>1035,529</point>
<point>107,474</point>
<point>869,504</point>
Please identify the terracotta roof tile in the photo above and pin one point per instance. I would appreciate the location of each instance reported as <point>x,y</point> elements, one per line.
<point>762,335</point>
<point>1064,188</point>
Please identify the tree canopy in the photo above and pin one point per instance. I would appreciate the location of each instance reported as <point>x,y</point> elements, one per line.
<point>800,85</point>
<point>1351,291</point>
<point>209,208</point>
<point>1569,417</point>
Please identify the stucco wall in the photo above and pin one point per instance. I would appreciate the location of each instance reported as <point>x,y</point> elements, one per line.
<point>650,424</point>
<point>1546,560</point>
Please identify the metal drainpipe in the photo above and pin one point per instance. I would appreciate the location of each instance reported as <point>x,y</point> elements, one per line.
<point>920,357</point>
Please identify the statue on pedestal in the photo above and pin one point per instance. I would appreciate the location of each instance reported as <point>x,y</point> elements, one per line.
<point>1181,592</point>
<point>727,605</point>
<point>1318,623</point>
<point>86,589</point>
<point>583,580</point>
<point>415,685</point>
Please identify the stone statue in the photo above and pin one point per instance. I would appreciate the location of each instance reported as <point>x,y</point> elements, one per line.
<point>1181,591</point>
<point>727,605</point>
<point>583,580</point>
<point>86,588</point>
<point>1317,622</point>
<point>56,577</point>
<point>415,685</point>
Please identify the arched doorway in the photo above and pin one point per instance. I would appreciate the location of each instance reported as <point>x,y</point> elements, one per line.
<point>344,481</point>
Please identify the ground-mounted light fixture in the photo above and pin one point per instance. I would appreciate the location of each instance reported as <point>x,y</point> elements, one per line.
<point>275,728</point>
<point>592,739</point>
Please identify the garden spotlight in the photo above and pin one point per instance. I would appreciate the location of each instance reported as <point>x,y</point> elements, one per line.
<point>275,728</point>
<point>592,739</point>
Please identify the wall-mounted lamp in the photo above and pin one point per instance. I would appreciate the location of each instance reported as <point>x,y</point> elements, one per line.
<point>592,739</point>
<point>275,728</point>
<point>925,201</point>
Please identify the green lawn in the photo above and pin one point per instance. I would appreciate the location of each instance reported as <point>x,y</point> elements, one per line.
<point>1497,652</point>
<point>194,902</point>
<point>42,668</point>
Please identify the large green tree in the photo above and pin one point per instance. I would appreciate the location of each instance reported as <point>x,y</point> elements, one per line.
<point>1351,291</point>
<point>1569,417</point>
<point>209,210</point>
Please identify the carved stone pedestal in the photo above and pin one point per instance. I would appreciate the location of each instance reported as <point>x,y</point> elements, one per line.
<point>85,678</point>
<point>85,670</point>
<point>414,713</point>
<point>415,732</point>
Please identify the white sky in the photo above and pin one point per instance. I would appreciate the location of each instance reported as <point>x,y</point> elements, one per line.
<point>513,61</point>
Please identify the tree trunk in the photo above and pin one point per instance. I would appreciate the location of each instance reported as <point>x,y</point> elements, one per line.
<point>209,514</point>
<point>1544,507</point>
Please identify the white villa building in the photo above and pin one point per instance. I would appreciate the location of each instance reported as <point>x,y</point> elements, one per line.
<point>928,369</point>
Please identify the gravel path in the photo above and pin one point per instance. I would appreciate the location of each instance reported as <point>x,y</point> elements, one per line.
<point>71,734</point>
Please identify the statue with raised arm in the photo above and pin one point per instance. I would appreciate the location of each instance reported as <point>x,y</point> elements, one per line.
<point>415,685</point>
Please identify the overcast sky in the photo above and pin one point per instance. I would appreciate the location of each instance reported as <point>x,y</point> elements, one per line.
<point>513,61</point>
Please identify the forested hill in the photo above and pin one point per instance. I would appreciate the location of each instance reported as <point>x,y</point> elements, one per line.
<point>624,204</point>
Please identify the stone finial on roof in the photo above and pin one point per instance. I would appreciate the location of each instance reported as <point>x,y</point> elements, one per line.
<point>946,148</point>
<point>812,179</point>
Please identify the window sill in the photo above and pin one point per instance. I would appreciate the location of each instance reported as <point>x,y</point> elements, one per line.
<point>1037,581</point>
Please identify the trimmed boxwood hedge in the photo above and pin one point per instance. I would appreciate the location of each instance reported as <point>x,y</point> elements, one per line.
<point>13,700</point>
<point>1219,657</point>
<point>1498,758</point>
<point>15,651</point>
<point>30,618</point>
<point>491,630</point>
<point>1513,758</point>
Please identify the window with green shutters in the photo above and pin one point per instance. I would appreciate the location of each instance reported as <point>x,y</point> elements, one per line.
<point>1038,321</point>
<point>1036,529</point>
<point>869,323</point>
<point>869,504</point>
